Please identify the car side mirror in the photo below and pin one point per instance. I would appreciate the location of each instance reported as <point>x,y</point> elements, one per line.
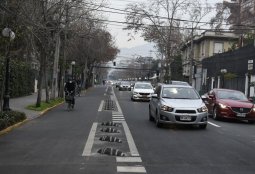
<point>203,97</point>
<point>154,96</point>
<point>250,99</point>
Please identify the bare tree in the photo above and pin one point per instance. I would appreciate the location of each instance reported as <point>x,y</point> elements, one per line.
<point>164,31</point>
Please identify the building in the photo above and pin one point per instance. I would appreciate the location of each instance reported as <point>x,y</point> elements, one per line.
<point>232,70</point>
<point>208,44</point>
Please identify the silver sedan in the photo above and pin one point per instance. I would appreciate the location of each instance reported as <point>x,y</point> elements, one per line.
<point>177,104</point>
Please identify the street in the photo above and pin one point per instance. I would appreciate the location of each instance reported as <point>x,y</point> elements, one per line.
<point>62,142</point>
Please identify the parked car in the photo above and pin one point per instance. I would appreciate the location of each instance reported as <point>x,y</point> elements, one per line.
<point>117,84</point>
<point>177,104</point>
<point>226,103</point>
<point>142,91</point>
<point>125,85</point>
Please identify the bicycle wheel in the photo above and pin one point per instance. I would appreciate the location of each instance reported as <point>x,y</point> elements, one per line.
<point>69,106</point>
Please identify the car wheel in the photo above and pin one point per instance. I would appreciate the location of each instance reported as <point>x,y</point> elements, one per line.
<point>132,99</point>
<point>150,116</point>
<point>203,126</point>
<point>158,124</point>
<point>215,113</point>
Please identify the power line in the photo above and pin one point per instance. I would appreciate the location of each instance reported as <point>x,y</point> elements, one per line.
<point>148,25</point>
<point>162,17</point>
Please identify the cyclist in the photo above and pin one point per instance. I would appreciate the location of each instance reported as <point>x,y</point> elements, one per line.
<point>70,90</point>
<point>78,87</point>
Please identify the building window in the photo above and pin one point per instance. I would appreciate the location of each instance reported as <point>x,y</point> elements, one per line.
<point>218,47</point>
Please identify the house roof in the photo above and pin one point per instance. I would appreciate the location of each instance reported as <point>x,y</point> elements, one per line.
<point>211,35</point>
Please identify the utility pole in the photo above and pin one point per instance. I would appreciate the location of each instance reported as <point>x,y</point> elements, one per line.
<point>191,56</point>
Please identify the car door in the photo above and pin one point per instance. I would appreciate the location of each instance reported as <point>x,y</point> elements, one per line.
<point>154,101</point>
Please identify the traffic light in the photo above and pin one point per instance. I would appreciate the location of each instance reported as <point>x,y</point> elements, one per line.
<point>114,63</point>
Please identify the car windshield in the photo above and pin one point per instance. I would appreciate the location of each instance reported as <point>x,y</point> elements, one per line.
<point>233,95</point>
<point>179,93</point>
<point>143,86</point>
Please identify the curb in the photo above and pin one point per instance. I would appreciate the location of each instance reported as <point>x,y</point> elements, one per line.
<point>48,109</point>
<point>10,128</point>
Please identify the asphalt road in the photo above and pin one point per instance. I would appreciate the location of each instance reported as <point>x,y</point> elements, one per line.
<point>62,142</point>
<point>225,147</point>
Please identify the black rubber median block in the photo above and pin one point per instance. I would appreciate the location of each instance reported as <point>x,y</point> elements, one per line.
<point>111,151</point>
<point>110,139</point>
<point>109,123</point>
<point>110,130</point>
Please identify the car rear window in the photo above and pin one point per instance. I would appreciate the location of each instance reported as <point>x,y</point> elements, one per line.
<point>143,86</point>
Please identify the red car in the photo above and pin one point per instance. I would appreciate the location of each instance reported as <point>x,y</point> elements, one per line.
<point>226,103</point>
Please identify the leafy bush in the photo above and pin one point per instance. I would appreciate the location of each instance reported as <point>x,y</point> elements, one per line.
<point>10,118</point>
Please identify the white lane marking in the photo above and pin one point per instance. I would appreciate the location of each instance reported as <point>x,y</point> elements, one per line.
<point>118,120</point>
<point>130,169</point>
<point>90,141</point>
<point>129,159</point>
<point>117,103</point>
<point>130,140</point>
<point>117,117</point>
<point>116,112</point>
<point>101,106</point>
<point>213,124</point>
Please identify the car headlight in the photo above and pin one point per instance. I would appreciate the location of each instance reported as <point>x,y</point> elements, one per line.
<point>253,109</point>
<point>135,93</point>
<point>222,105</point>
<point>202,109</point>
<point>167,108</point>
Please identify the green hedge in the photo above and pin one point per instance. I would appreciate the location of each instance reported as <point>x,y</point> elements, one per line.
<point>10,118</point>
<point>21,77</point>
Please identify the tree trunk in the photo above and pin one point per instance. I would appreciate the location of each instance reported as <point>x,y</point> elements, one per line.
<point>85,74</point>
<point>40,78</point>
<point>54,83</point>
<point>47,96</point>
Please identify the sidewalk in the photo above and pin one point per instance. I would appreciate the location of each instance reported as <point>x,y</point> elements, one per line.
<point>20,103</point>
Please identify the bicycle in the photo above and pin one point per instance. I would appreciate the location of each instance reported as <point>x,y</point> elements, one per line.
<point>78,91</point>
<point>69,100</point>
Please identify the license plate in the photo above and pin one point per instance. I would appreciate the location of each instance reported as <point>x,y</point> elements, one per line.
<point>240,114</point>
<point>185,118</point>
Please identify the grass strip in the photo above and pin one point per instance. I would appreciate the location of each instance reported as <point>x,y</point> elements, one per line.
<point>45,105</point>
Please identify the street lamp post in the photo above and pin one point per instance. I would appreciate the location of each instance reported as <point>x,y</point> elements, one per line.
<point>223,72</point>
<point>7,32</point>
<point>73,64</point>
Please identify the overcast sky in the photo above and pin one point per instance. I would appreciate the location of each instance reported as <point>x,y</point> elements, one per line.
<point>116,30</point>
